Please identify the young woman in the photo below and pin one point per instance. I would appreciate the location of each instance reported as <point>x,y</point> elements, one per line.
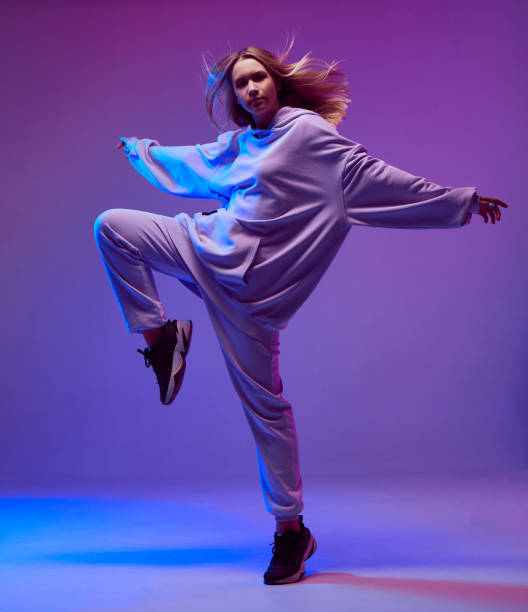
<point>290,187</point>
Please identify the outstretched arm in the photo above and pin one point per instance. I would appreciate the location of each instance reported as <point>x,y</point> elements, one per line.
<point>381,195</point>
<point>182,170</point>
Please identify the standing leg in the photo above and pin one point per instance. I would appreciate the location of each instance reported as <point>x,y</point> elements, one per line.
<point>253,365</point>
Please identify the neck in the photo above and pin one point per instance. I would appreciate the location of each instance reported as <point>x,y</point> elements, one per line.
<point>263,122</point>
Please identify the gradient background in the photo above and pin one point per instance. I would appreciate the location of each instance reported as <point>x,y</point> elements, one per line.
<point>410,357</point>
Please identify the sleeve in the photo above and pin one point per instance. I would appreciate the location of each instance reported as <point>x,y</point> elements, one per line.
<point>380,195</point>
<point>182,170</point>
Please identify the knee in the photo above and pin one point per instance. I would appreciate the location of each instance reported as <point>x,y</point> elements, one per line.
<point>105,222</point>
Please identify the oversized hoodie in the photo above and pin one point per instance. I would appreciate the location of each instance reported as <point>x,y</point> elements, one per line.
<point>288,195</point>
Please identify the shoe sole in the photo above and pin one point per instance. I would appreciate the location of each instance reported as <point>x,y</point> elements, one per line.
<point>302,570</point>
<point>178,361</point>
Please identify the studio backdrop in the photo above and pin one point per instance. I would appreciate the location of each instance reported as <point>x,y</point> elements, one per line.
<point>410,356</point>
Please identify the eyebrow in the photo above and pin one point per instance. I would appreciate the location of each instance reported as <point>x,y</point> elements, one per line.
<point>255,73</point>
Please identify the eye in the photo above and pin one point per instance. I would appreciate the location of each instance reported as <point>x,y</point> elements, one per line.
<point>258,76</point>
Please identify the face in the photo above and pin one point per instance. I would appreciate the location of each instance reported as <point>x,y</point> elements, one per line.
<point>255,90</point>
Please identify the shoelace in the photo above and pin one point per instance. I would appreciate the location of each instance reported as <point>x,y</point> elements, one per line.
<point>147,352</point>
<point>146,356</point>
<point>280,548</point>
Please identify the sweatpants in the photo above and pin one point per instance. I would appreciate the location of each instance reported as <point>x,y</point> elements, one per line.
<point>132,245</point>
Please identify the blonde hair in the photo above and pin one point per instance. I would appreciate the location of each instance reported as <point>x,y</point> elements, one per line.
<point>309,83</point>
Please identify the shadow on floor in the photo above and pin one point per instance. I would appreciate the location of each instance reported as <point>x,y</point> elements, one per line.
<point>508,595</point>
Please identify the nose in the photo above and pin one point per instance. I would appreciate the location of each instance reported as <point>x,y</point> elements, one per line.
<point>251,88</point>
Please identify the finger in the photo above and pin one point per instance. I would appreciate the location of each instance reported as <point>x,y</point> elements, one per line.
<point>491,213</point>
<point>496,213</point>
<point>500,202</point>
<point>495,201</point>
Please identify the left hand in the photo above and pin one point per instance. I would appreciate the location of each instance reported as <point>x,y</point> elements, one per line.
<point>490,206</point>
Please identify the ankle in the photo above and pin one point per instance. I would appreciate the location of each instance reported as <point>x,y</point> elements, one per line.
<point>152,336</point>
<point>293,525</point>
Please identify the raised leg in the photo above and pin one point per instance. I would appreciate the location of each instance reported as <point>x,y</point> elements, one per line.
<point>132,244</point>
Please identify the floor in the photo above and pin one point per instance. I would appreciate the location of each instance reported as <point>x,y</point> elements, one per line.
<point>411,544</point>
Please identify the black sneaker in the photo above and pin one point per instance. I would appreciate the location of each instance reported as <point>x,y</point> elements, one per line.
<point>290,551</point>
<point>167,358</point>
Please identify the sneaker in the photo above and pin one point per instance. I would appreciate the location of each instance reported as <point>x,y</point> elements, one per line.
<point>290,551</point>
<point>167,358</point>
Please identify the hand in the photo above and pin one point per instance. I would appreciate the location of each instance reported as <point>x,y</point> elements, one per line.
<point>122,143</point>
<point>490,206</point>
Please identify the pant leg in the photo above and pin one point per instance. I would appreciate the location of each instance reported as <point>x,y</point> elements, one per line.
<point>132,244</point>
<point>253,365</point>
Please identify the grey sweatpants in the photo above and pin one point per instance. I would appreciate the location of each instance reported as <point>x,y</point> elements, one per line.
<point>132,245</point>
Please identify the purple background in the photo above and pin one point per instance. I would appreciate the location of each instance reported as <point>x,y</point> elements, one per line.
<point>411,354</point>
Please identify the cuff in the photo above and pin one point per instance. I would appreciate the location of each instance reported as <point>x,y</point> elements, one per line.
<point>475,204</point>
<point>129,145</point>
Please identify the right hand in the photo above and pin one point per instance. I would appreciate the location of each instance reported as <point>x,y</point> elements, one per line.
<point>122,144</point>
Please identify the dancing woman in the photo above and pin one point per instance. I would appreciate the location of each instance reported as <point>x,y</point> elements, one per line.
<point>290,188</point>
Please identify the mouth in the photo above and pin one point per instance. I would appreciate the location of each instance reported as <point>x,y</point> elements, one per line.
<point>256,101</point>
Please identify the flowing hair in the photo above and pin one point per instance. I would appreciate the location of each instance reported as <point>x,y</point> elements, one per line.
<point>309,83</point>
